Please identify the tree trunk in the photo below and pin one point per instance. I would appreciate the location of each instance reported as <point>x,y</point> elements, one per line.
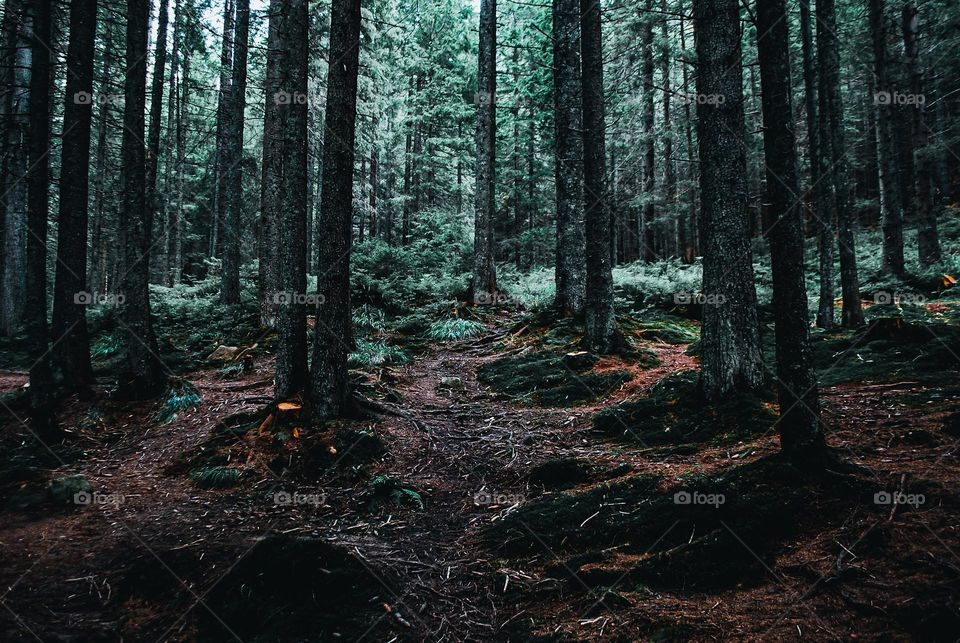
<point>222,159</point>
<point>827,194</point>
<point>69,313</point>
<point>484,271</point>
<point>928,239</point>
<point>648,242</point>
<point>676,238</point>
<point>156,113</point>
<point>42,420</point>
<point>601,334</point>
<point>13,294</point>
<point>834,149</point>
<point>890,204</point>
<point>144,377</point>
<point>693,236</point>
<point>233,173</point>
<point>272,165</point>
<point>175,133</point>
<point>801,432</point>
<point>333,336</point>
<point>730,346</point>
<point>103,229</point>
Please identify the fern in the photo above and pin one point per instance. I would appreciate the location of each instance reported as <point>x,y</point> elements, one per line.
<point>445,330</point>
<point>215,477</point>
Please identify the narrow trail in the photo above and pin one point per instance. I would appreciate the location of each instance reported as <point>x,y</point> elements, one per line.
<point>166,544</point>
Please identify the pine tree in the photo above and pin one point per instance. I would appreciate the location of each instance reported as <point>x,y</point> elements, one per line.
<point>484,271</point>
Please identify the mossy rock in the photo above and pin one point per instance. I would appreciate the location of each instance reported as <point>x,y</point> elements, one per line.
<point>674,412</point>
<point>294,589</point>
<point>544,379</point>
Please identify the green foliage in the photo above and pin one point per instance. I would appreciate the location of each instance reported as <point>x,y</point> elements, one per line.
<point>107,346</point>
<point>454,328</point>
<point>215,477</point>
<point>375,354</point>
<point>181,396</point>
<point>533,289</point>
<point>386,487</point>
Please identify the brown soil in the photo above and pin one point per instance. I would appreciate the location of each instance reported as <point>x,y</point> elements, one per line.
<point>144,568</point>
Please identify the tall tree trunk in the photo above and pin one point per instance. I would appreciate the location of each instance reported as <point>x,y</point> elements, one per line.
<point>801,432</point>
<point>834,148</point>
<point>233,173</point>
<point>69,313</point>
<point>174,169</point>
<point>928,239</point>
<point>890,213</point>
<point>42,419</point>
<point>333,337</point>
<point>9,34</point>
<point>285,194</point>
<point>374,178</point>
<point>156,112</point>
<point>144,376</point>
<point>730,346</point>
<point>693,237</point>
<point>222,160</point>
<point>601,334</point>
<point>484,271</point>
<point>819,199</point>
<point>648,241</point>
<point>676,237</point>
<point>272,166</point>
<point>407,198</point>
<point>827,210</point>
<point>13,294</point>
<point>103,229</point>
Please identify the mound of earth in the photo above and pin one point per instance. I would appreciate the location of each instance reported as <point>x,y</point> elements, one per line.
<point>295,589</point>
<point>708,534</point>
<point>548,379</point>
<point>674,412</point>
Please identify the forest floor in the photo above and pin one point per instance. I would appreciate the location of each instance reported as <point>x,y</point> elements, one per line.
<point>384,525</point>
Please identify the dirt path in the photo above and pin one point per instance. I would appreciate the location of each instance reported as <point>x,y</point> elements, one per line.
<point>144,564</point>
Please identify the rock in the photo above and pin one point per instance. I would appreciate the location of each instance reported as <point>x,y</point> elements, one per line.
<point>67,490</point>
<point>223,353</point>
<point>451,383</point>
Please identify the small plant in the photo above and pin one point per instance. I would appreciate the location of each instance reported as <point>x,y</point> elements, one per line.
<point>387,487</point>
<point>182,395</point>
<point>235,369</point>
<point>367,319</point>
<point>106,347</point>
<point>215,477</point>
<point>446,330</point>
<point>377,354</point>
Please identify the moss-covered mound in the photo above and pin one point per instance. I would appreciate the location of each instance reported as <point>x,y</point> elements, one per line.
<point>294,589</point>
<point>674,412</point>
<point>915,342</point>
<point>710,533</point>
<point>545,379</point>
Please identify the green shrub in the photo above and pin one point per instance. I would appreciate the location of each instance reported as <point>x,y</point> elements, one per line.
<point>454,328</point>
<point>215,477</point>
<point>377,354</point>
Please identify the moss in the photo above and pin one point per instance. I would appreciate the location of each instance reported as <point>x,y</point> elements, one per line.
<point>674,412</point>
<point>544,379</point>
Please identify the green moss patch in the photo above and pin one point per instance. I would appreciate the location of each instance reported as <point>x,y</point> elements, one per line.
<point>674,412</point>
<point>544,379</point>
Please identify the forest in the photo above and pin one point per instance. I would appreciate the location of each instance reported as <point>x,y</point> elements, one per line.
<point>450,320</point>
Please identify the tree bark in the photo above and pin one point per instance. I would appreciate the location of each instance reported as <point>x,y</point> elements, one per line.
<point>222,160</point>
<point>834,149</point>
<point>801,432</point>
<point>648,242</point>
<point>42,420</point>
<point>601,334</point>
<point>156,113</point>
<point>568,158</point>
<point>730,346</point>
<point>69,312</point>
<point>484,270</point>
<point>144,377</point>
<point>928,238</point>
<point>891,214</point>
<point>232,174</point>
<point>333,336</point>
